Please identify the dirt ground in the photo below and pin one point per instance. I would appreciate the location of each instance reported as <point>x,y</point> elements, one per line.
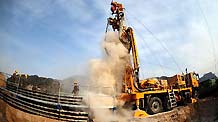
<point>2,80</point>
<point>206,110</point>
<point>10,114</point>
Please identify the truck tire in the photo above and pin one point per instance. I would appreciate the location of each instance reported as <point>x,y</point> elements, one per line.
<point>186,98</point>
<point>155,105</point>
<point>166,104</point>
<point>196,94</point>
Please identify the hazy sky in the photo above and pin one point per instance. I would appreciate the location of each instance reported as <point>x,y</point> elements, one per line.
<point>57,38</point>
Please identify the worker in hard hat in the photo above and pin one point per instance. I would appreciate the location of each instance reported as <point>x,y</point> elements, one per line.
<point>75,88</point>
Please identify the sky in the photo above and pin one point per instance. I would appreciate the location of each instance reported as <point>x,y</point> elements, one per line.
<point>58,38</point>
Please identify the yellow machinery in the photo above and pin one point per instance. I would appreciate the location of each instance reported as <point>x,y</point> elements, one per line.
<point>154,95</point>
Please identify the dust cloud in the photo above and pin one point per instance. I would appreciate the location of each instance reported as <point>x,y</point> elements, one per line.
<point>106,76</point>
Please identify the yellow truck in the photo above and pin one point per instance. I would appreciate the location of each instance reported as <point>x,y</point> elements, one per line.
<point>154,95</point>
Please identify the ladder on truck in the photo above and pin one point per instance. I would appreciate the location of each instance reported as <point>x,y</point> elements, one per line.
<point>172,99</point>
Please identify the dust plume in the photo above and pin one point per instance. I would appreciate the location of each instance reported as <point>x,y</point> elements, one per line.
<point>108,71</point>
<point>106,77</point>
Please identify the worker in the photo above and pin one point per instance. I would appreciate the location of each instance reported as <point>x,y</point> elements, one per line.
<point>75,88</point>
<point>59,109</point>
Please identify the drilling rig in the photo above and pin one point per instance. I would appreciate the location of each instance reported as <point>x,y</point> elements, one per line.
<point>154,95</point>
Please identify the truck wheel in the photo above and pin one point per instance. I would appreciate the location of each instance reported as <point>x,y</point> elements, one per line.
<point>166,104</point>
<point>155,105</point>
<point>196,94</point>
<point>186,98</point>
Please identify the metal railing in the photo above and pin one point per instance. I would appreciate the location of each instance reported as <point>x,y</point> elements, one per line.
<point>42,107</point>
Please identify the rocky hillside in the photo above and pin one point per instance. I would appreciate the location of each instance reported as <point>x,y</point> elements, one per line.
<point>36,83</point>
